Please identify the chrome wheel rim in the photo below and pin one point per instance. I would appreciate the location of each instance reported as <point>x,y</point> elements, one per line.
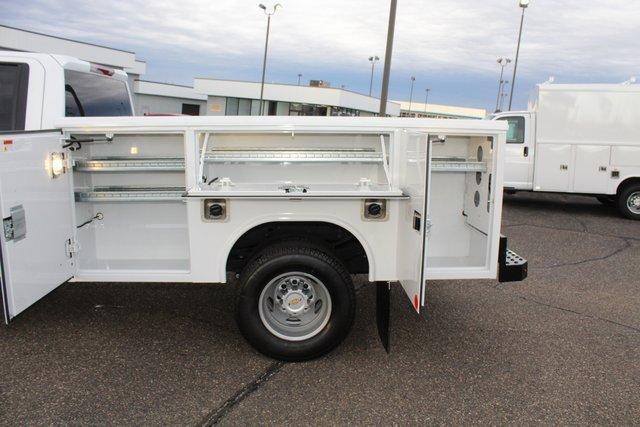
<point>633,202</point>
<point>295,306</point>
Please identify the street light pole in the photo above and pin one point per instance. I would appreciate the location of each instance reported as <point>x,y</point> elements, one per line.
<point>426,99</point>
<point>503,93</point>
<point>503,63</point>
<point>299,77</point>
<point>373,60</point>
<point>384,94</point>
<point>413,80</point>
<point>523,4</point>
<point>266,47</point>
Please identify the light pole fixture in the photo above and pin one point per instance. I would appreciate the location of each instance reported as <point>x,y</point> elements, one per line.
<point>373,60</point>
<point>413,80</point>
<point>503,62</point>
<point>299,77</point>
<point>266,47</point>
<point>426,99</point>
<point>524,4</point>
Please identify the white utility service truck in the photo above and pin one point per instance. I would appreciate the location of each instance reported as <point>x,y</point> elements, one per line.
<point>293,205</point>
<point>582,139</point>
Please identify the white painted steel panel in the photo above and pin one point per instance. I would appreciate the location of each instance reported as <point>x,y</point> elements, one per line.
<point>626,156</point>
<point>553,168</point>
<point>411,236</point>
<point>38,263</point>
<point>591,169</point>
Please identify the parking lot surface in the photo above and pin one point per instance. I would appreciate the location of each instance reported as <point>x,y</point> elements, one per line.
<point>561,347</point>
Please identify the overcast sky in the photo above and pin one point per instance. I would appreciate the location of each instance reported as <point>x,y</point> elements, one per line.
<point>450,46</point>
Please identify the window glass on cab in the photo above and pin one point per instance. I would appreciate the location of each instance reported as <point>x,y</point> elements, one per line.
<point>13,96</point>
<point>92,95</point>
<point>515,134</point>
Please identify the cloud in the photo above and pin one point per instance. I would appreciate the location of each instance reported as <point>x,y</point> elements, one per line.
<point>575,39</point>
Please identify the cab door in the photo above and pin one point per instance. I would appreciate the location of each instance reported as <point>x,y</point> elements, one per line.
<point>414,222</point>
<point>518,167</point>
<point>37,239</point>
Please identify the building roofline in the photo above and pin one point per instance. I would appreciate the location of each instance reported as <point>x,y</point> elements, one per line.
<point>291,85</point>
<point>163,83</point>
<point>67,39</point>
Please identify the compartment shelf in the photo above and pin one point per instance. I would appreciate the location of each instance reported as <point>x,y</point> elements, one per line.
<point>309,155</point>
<point>453,164</point>
<point>124,164</point>
<point>130,194</point>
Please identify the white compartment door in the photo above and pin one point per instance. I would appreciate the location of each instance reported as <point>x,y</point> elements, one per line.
<point>37,217</point>
<point>413,224</point>
<point>592,169</point>
<point>554,168</point>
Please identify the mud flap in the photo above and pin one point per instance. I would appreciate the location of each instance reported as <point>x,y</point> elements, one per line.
<point>511,266</point>
<point>383,312</point>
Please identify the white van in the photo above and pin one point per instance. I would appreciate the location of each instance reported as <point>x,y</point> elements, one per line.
<point>582,139</point>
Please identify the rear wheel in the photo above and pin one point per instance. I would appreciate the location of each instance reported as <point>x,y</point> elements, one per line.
<point>296,301</point>
<point>629,201</point>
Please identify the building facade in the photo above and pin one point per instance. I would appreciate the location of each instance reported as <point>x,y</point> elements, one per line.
<point>437,111</point>
<point>242,98</point>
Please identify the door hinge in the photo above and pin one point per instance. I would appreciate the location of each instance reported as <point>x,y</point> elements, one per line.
<point>71,247</point>
<point>7,225</point>
<point>428,224</point>
<point>15,226</point>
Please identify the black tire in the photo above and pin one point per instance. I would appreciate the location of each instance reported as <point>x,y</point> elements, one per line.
<point>607,200</point>
<point>295,256</point>
<point>626,195</point>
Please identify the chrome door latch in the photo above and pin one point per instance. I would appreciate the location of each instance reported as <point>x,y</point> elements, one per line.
<point>71,247</point>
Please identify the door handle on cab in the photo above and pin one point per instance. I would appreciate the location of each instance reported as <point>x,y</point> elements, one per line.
<point>526,151</point>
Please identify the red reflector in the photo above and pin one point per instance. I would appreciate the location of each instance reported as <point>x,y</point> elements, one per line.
<point>7,142</point>
<point>102,70</point>
<point>416,302</point>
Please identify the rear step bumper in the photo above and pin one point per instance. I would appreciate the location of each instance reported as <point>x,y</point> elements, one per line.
<point>511,266</point>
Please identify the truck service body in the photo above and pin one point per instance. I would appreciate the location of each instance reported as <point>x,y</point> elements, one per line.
<point>582,139</point>
<point>293,205</point>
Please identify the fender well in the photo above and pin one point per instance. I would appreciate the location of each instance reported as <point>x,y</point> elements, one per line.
<point>627,181</point>
<point>340,241</point>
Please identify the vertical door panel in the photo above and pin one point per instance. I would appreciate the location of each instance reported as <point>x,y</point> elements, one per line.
<point>414,172</point>
<point>37,219</point>
<point>592,169</point>
<point>554,168</point>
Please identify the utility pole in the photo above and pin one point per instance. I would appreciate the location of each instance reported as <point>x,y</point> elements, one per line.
<point>266,47</point>
<point>413,80</point>
<point>426,99</point>
<point>387,58</point>
<point>373,60</point>
<point>523,4</point>
<point>503,63</point>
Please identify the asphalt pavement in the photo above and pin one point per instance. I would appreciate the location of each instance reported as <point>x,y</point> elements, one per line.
<point>562,347</point>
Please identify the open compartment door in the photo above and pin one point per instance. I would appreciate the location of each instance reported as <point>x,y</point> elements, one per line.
<point>414,174</point>
<point>37,240</point>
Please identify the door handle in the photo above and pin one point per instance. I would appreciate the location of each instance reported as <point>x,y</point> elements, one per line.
<point>526,151</point>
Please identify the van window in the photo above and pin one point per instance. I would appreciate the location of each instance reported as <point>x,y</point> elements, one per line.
<point>515,134</point>
<point>93,95</point>
<point>14,79</point>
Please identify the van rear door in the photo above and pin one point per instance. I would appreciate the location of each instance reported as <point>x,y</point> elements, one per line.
<point>37,240</point>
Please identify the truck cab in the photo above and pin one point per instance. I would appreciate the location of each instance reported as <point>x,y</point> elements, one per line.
<point>520,149</point>
<point>39,89</point>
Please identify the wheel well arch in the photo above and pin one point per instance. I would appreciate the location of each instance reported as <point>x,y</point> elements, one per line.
<point>626,182</point>
<point>342,242</point>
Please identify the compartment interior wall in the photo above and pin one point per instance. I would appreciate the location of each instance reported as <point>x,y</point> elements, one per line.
<point>133,235</point>
<point>335,171</point>
<point>457,237</point>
